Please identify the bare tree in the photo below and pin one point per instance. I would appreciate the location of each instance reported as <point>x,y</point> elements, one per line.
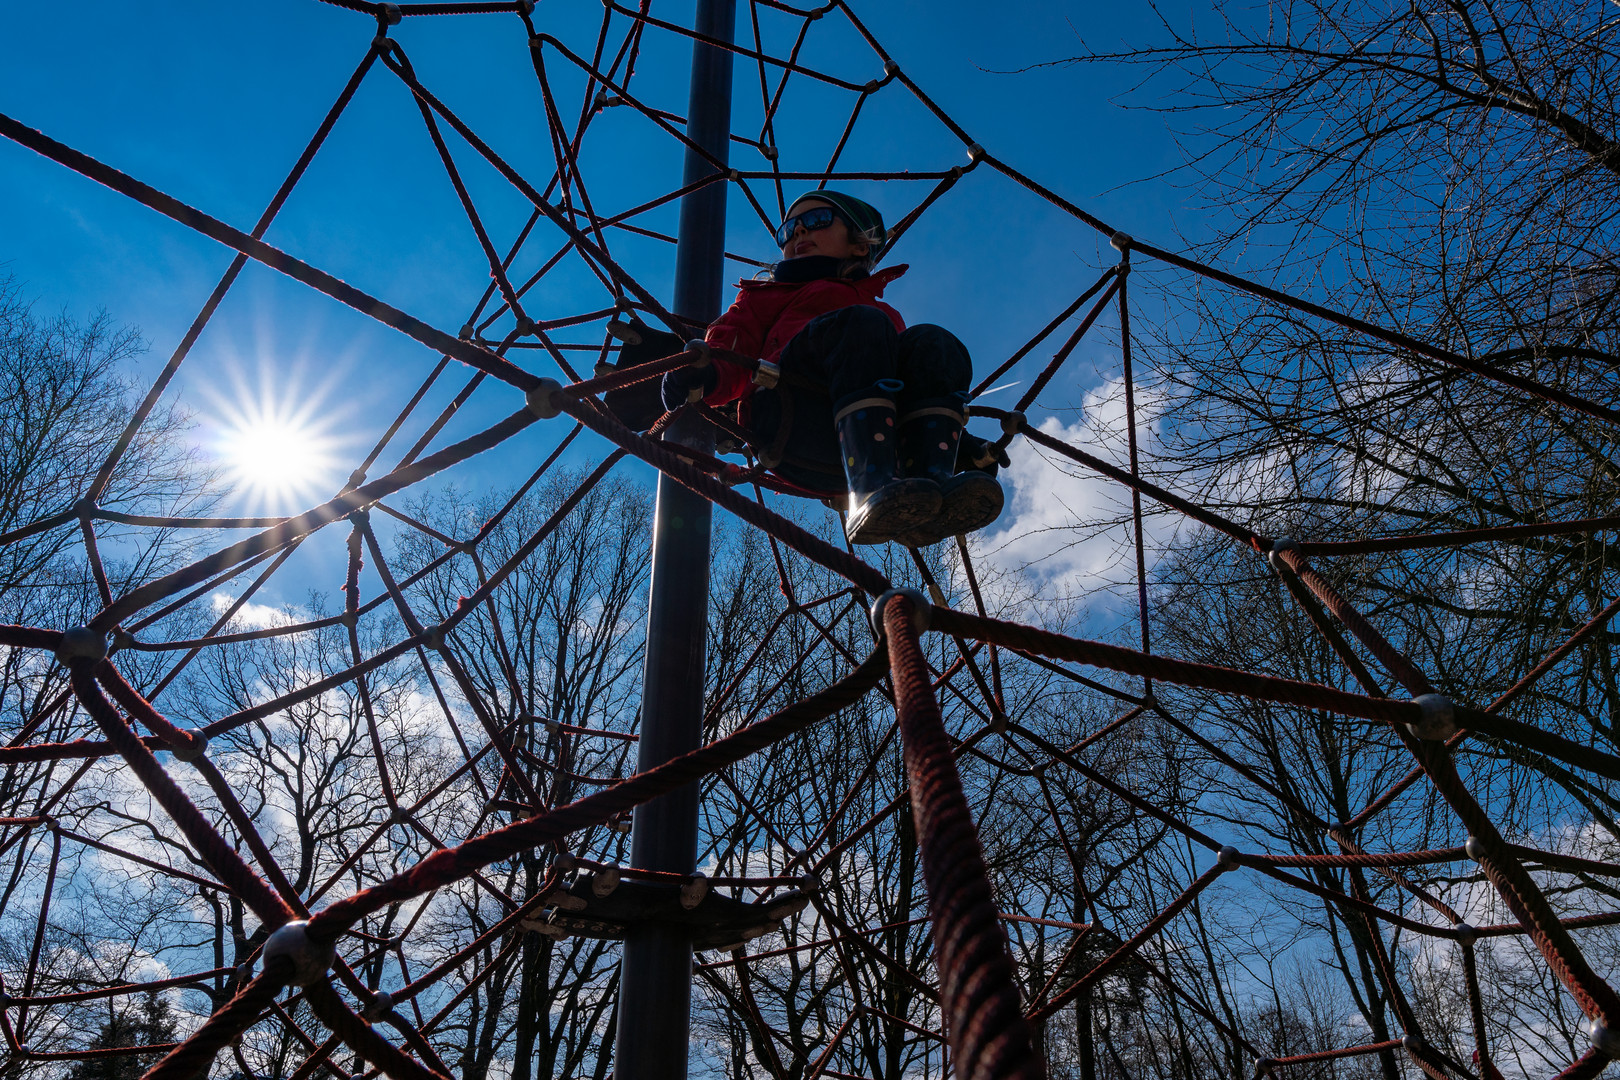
<point>1449,172</point>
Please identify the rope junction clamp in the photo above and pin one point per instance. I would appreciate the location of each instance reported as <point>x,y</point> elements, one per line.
<point>1474,849</point>
<point>992,454</point>
<point>625,332</point>
<point>604,881</point>
<point>1274,557</point>
<point>1227,857</point>
<point>1466,934</point>
<point>693,892</point>
<point>767,374</point>
<point>81,643</point>
<point>433,637</point>
<point>1604,1040</point>
<point>922,610</point>
<point>389,14</point>
<point>1439,719</point>
<point>192,749</point>
<point>542,400</point>
<point>704,359</point>
<point>310,962</point>
<point>380,1006</point>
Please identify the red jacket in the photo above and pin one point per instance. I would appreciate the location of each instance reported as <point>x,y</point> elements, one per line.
<point>766,315</point>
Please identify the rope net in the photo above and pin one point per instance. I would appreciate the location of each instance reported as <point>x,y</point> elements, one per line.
<point>392,838</point>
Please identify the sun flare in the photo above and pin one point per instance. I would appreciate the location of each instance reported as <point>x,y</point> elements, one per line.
<point>275,457</point>
<point>277,452</point>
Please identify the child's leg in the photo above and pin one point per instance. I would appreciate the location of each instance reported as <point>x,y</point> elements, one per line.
<point>848,350</point>
<point>932,362</point>
<point>854,353</point>
<point>932,417</point>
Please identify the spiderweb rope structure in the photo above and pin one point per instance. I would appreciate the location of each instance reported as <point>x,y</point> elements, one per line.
<point>973,985</point>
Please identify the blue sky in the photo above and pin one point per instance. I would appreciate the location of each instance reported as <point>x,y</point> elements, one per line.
<point>213,102</point>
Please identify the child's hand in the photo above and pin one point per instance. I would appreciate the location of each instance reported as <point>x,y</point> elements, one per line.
<point>678,385</point>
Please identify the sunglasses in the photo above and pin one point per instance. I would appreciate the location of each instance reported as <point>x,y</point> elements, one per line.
<point>813,220</point>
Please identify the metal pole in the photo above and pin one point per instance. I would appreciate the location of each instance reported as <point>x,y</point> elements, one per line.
<point>655,973</point>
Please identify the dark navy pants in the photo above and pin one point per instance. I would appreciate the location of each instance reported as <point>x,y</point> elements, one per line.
<point>842,353</point>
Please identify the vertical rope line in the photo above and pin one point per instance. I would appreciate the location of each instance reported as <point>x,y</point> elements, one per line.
<point>984,1019</point>
<point>30,980</point>
<point>1476,1011</point>
<point>1136,472</point>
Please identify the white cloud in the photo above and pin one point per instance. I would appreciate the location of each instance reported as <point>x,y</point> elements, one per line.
<point>253,616</point>
<point>1061,530</point>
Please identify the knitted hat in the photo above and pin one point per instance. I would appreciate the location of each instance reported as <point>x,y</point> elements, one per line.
<point>863,215</point>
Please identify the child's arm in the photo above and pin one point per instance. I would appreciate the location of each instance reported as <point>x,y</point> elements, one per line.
<point>738,331</point>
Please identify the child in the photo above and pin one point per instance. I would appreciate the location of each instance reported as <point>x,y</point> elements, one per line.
<point>896,397</point>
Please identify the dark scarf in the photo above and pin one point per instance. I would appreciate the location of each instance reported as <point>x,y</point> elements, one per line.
<point>809,268</point>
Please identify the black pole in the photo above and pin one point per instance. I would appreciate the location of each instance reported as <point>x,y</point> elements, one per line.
<point>655,973</point>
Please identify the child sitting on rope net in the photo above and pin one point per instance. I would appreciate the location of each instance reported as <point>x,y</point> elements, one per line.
<point>862,402</point>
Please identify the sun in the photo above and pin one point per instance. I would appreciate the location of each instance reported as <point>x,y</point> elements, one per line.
<point>276,458</point>
<point>276,447</point>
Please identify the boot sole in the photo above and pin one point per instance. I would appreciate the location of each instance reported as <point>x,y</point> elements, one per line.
<point>898,507</point>
<point>970,503</point>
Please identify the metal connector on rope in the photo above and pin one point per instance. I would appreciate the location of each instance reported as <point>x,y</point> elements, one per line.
<point>1604,1038</point>
<point>705,357</point>
<point>81,643</point>
<point>624,331</point>
<point>921,610</point>
<point>693,891</point>
<point>542,399</point>
<point>310,961</point>
<point>991,454</point>
<point>379,1006</point>
<point>1438,721</point>
<point>767,374</point>
<point>191,749</point>
<point>1274,557</point>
